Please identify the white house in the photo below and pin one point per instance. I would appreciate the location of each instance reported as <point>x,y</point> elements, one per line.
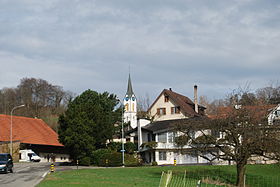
<point>166,151</point>
<point>156,140</point>
<point>274,115</point>
<point>168,109</point>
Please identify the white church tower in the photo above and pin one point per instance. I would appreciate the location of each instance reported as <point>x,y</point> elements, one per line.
<point>130,106</point>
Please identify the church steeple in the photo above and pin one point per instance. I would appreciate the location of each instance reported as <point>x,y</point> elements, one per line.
<point>129,92</point>
<point>130,105</point>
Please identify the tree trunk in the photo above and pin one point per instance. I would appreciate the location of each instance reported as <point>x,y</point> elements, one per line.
<point>240,174</point>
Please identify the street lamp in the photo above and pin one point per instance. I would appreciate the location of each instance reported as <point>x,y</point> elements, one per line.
<point>11,130</point>
<point>122,135</point>
<point>122,142</point>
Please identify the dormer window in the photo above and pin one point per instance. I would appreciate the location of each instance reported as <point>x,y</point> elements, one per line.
<point>175,110</point>
<point>166,98</point>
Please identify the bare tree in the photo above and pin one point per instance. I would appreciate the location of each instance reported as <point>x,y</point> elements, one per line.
<point>42,99</point>
<point>237,135</point>
<point>143,104</point>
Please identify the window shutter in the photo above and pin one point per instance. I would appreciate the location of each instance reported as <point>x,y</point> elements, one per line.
<point>158,111</point>
<point>164,111</point>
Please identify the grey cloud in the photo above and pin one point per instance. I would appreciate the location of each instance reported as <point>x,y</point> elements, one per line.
<point>90,44</point>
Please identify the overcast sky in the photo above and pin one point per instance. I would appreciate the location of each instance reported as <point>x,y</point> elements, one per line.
<point>216,44</point>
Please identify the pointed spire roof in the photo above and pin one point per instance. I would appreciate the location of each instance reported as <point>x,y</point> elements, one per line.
<point>129,92</point>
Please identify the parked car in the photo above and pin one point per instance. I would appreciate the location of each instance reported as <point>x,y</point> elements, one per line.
<point>6,163</point>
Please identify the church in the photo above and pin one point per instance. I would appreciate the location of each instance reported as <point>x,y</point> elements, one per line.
<point>130,106</point>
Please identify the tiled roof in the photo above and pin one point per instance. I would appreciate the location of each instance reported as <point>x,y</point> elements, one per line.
<point>27,130</point>
<point>186,104</point>
<point>260,110</point>
<point>166,125</point>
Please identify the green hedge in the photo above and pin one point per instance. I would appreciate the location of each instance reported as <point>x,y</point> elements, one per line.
<point>85,161</point>
<point>108,158</point>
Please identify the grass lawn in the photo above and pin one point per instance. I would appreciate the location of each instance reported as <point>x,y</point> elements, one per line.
<point>257,176</point>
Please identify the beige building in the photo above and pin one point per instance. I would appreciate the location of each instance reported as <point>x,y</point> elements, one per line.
<point>170,105</point>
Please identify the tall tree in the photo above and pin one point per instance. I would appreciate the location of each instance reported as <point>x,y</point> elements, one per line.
<point>237,135</point>
<point>88,122</point>
<point>43,100</point>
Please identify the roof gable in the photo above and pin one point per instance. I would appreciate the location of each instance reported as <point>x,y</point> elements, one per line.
<point>186,104</point>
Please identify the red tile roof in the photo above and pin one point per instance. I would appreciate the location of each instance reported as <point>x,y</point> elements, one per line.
<point>27,130</point>
<point>259,110</point>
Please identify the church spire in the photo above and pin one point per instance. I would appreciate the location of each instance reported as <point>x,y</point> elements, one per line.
<point>129,92</point>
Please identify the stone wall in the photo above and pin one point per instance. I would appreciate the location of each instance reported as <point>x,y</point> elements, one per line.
<point>5,148</point>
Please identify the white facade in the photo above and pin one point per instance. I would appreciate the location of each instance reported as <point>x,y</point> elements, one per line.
<point>274,115</point>
<point>130,110</point>
<point>166,151</point>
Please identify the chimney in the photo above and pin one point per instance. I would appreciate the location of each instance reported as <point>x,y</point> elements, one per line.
<point>195,99</point>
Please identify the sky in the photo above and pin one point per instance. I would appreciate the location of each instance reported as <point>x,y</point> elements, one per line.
<point>217,44</point>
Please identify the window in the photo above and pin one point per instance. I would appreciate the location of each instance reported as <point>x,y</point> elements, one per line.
<point>191,134</point>
<point>161,111</point>
<point>170,137</point>
<point>149,137</point>
<point>166,98</point>
<point>132,107</point>
<point>126,107</point>
<point>175,110</point>
<point>162,137</point>
<point>215,133</point>
<point>162,155</point>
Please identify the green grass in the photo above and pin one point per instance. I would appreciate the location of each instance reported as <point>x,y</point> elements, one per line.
<point>257,176</point>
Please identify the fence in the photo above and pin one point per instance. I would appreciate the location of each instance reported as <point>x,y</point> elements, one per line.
<point>202,180</point>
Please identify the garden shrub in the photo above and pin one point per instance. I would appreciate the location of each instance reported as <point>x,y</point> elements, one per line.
<point>85,161</point>
<point>108,158</point>
<point>98,155</point>
<point>154,163</point>
<point>131,160</point>
<point>115,146</point>
<point>130,147</point>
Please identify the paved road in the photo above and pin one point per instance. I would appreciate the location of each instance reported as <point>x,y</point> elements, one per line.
<point>25,175</point>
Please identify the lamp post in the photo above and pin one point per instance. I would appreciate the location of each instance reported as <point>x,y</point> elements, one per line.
<point>122,141</point>
<point>11,130</point>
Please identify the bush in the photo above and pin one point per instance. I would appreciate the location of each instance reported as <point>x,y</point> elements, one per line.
<point>115,146</point>
<point>114,159</point>
<point>105,157</point>
<point>130,147</point>
<point>154,163</point>
<point>85,161</point>
<point>131,160</point>
<point>98,155</point>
